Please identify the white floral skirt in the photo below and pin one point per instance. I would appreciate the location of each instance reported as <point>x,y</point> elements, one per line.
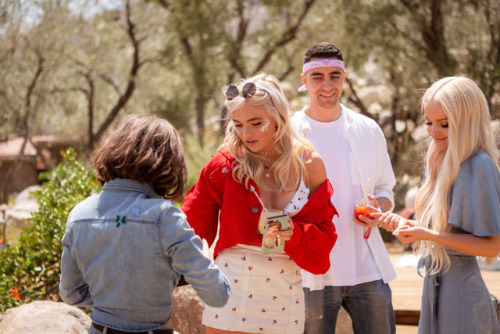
<point>266,293</point>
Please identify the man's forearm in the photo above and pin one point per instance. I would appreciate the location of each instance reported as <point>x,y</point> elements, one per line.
<point>384,204</point>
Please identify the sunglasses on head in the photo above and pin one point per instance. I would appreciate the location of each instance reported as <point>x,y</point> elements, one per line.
<point>248,91</point>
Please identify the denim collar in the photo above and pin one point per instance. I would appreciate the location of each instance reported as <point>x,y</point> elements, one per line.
<point>130,185</point>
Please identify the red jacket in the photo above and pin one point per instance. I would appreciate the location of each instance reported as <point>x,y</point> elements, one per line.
<point>217,191</point>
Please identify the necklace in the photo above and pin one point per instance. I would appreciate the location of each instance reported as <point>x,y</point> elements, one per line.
<point>267,171</point>
<point>268,159</point>
<point>266,154</point>
<point>268,164</point>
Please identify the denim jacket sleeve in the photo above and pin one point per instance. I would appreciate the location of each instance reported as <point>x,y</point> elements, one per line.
<point>72,288</point>
<point>185,251</point>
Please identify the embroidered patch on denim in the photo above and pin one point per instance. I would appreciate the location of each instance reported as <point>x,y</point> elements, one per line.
<point>121,220</point>
<point>135,211</point>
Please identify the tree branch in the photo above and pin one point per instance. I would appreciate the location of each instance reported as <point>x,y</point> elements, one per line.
<point>286,37</point>
<point>109,81</point>
<point>356,100</point>
<point>235,46</point>
<point>123,98</point>
<point>290,68</point>
<point>407,36</point>
<point>26,122</point>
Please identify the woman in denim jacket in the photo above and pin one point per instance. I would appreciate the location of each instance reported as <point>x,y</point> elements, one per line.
<point>126,247</point>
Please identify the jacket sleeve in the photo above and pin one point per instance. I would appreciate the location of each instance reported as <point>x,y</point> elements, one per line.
<point>187,257</point>
<point>72,287</point>
<point>314,233</point>
<point>203,201</point>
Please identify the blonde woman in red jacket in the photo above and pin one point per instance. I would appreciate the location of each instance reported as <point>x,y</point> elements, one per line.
<point>262,167</point>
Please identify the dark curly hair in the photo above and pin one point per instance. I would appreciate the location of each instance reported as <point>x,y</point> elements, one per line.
<point>322,50</point>
<point>147,149</point>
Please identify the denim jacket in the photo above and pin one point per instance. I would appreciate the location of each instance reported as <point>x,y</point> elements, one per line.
<point>124,251</point>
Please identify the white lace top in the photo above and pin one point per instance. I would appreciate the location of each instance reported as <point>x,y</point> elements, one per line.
<point>299,199</point>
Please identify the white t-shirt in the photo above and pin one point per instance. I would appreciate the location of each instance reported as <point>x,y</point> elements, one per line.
<point>351,259</point>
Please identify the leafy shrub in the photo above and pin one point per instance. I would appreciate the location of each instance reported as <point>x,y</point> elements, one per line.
<point>32,267</point>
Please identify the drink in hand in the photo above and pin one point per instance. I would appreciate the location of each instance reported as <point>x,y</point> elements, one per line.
<point>361,210</point>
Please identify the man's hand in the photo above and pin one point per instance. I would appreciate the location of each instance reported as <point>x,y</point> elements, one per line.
<point>374,208</point>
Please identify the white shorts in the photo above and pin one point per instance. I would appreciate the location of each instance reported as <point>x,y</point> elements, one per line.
<point>266,293</point>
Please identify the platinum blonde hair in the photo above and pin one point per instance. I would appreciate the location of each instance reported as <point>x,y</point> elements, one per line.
<point>286,143</point>
<point>469,129</point>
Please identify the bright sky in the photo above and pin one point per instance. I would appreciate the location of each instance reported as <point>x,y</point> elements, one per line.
<point>91,7</point>
<point>86,8</point>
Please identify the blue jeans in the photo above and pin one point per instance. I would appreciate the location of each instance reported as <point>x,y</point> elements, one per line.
<point>368,304</point>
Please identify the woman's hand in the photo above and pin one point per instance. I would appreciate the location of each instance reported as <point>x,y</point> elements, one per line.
<point>407,233</point>
<point>390,221</point>
<point>286,234</point>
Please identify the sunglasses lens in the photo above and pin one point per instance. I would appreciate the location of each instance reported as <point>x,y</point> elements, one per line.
<point>249,90</point>
<point>231,92</point>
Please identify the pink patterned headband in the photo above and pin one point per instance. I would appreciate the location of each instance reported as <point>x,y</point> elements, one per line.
<point>322,62</point>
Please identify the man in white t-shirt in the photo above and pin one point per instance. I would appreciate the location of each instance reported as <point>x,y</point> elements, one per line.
<point>354,150</point>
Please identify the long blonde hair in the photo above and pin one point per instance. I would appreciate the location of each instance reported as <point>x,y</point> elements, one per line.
<point>286,143</point>
<point>469,129</point>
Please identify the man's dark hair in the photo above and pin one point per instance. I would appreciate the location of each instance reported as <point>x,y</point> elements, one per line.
<point>322,50</point>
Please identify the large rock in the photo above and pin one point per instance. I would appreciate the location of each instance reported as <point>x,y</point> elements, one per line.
<point>24,206</point>
<point>44,317</point>
<point>187,311</point>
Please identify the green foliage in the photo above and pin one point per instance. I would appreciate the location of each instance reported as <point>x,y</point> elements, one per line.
<point>33,264</point>
<point>386,235</point>
<point>174,110</point>
<point>197,156</point>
